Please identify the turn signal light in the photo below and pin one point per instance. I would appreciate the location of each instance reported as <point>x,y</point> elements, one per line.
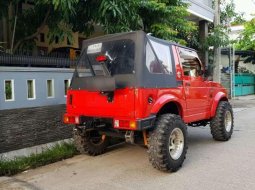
<point>126,124</point>
<point>66,119</point>
<point>132,124</point>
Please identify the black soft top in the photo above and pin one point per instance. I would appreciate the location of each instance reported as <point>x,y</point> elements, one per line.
<point>141,77</point>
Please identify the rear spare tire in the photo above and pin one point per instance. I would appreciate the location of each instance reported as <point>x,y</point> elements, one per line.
<point>223,122</point>
<point>90,142</point>
<point>168,143</point>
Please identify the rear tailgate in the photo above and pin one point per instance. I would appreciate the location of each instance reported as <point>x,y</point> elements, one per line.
<point>95,104</point>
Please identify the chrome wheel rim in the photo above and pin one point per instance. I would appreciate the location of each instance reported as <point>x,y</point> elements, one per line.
<point>228,121</point>
<point>176,143</point>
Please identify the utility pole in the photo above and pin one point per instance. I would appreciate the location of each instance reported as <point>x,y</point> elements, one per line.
<point>217,50</point>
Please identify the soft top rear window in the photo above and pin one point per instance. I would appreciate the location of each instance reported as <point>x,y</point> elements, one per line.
<point>108,58</point>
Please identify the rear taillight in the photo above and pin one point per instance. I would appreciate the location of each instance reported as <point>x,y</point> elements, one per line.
<point>71,119</point>
<point>101,58</point>
<point>125,124</point>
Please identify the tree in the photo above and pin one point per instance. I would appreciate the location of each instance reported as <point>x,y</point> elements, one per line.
<point>112,15</point>
<point>164,18</point>
<point>219,34</point>
<point>247,40</point>
<point>31,22</point>
<point>167,19</point>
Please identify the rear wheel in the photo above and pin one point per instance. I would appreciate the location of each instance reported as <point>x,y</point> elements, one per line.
<point>223,122</point>
<point>91,142</point>
<point>168,143</point>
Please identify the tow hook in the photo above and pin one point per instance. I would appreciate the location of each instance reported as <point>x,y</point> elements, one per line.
<point>129,136</point>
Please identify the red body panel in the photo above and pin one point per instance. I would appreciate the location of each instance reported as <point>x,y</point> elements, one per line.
<point>159,98</point>
<point>218,95</point>
<point>95,104</point>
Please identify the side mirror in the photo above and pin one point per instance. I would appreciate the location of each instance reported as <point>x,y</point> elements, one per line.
<point>208,75</point>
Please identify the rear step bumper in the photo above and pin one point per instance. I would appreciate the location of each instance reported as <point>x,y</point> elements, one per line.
<point>122,124</point>
<point>146,123</point>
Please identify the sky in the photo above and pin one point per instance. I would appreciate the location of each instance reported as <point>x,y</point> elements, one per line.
<point>246,6</point>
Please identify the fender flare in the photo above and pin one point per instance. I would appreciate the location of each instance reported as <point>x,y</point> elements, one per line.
<point>163,100</point>
<point>219,96</point>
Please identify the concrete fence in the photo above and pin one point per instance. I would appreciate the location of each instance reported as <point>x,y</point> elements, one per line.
<point>27,127</point>
<point>32,103</point>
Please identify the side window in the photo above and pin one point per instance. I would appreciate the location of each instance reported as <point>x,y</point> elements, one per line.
<point>151,61</point>
<point>9,90</point>
<point>164,56</point>
<point>31,89</point>
<point>50,88</point>
<point>190,63</point>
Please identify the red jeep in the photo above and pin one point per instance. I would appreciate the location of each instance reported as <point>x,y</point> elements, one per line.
<point>138,87</point>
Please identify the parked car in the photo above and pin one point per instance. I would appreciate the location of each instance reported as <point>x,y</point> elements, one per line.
<point>144,89</point>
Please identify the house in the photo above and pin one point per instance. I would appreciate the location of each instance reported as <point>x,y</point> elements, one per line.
<point>201,12</point>
<point>240,80</point>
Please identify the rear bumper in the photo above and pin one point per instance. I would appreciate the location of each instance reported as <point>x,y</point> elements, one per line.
<point>146,123</point>
<point>117,123</point>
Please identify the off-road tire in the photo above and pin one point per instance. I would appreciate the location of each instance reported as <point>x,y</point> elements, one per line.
<point>158,148</point>
<point>84,144</point>
<point>218,123</point>
<point>78,141</point>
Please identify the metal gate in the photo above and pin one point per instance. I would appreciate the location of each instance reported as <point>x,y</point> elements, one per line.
<point>244,84</point>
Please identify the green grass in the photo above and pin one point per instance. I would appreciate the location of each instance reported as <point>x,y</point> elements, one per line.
<point>49,155</point>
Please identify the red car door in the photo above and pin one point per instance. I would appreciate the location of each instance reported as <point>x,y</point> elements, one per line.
<point>195,86</point>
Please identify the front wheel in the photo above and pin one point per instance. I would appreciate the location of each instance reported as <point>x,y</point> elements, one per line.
<point>168,143</point>
<point>223,122</point>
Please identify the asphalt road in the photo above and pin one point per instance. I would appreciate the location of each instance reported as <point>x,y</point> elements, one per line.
<point>209,165</point>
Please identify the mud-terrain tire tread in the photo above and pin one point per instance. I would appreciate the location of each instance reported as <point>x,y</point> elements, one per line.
<point>84,146</point>
<point>217,125</point>
<point>78,141</point>
<point>158,143</point>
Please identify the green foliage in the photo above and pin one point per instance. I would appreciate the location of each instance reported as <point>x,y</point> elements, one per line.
<point>167,19</point>
<point>60,31</point>
<point>24,28</point>
<point>228,12</point>
<point>228,15</point>
<point>50,155</point>
<point>247,41</point>
<point>4,7</point>
<point>118,16</point>
<point>164,18</point>
<point>64,7</point>
<point>218,37</point>
<point>238,20</point>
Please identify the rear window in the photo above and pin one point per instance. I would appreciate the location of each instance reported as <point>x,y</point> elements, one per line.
<point>119,58</point>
